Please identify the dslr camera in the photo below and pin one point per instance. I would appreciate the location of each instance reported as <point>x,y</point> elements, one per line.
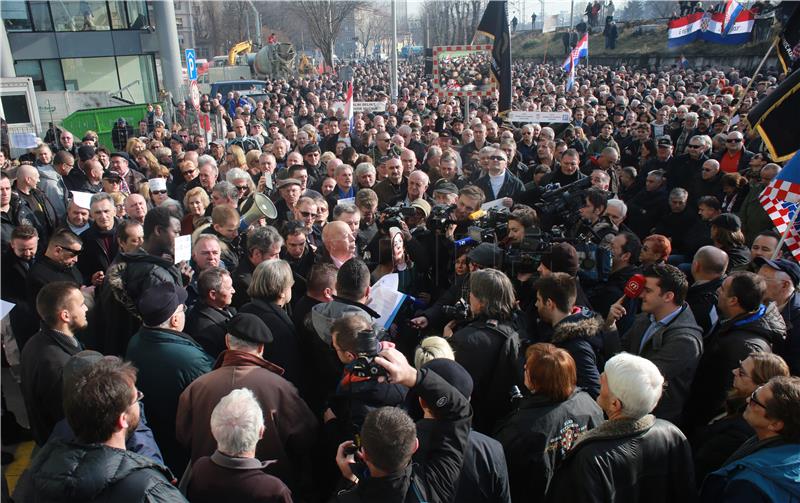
<point>368,345</point>
<point>459,311</point>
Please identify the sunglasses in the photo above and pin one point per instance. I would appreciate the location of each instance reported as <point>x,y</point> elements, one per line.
<point>497,158</point>
<point>307,214</point>
<point>733,140</point>
<point>158,191</point>
<point>694,146</point>
<point>70,251</point>
<point>242,188</point>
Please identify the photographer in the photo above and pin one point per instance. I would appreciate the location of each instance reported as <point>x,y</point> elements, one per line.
<point>389,439</point>
<point>488,346</point>
<point>594,220</point>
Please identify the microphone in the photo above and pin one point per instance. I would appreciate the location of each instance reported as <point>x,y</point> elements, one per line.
<point>633,287</point>
<point>477,215</point>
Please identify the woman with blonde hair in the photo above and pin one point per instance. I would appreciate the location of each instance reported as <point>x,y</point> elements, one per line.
<point>431,348</point>
<point>134,147</point>
<point>147,162</point>
<point>195,203</point>
<point>234,158</point>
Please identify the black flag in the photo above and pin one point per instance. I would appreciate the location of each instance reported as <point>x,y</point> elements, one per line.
<point>789,40</point>
<point>775,118</point>
<point>494,25</point>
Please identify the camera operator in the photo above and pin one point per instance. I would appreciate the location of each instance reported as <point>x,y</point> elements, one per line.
<point>485,255</point>
<point>356,343</point>
<point>593,218</point>
<point>488,347</point>
<point>389,439</point>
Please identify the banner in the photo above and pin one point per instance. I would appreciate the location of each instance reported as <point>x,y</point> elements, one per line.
<point>775,118</point>
<point>494,25</point>
<point>789,40</point>
<point>531,117</point>
<point>708,27</point>
<point>549,23</point>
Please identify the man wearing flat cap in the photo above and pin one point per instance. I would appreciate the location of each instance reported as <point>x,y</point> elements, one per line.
<point>168,361</point>
<point>289,429</point>
<point>782,277</point>
<point>131,179</point>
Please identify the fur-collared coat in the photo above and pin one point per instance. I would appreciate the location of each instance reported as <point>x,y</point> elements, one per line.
<point>579,334</point>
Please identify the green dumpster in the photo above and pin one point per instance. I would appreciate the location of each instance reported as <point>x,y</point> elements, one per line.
<point>102,120</point>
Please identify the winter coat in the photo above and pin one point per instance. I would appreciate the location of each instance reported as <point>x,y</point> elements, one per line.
<point>290,426</point>
<point>579,334</point>
<point>46,271</point>
<point>432,479</point>
<point>95,256</point>
<point>738,256</point>
<point>19,213</point>
<point>220,477</point>
<point>674,226</point>
<point>168,361</point>
<point>702,298</point>
<point>43,361</point>
<point>645,210</point>
<point>484,475</point>
<point>788,347</point>
<point>729,342</point>
<point>489,351</point>
<point>539,434</point>
<point>627,461</point>
<point>126,279</point>
<point>754,218</point>
<point>512,187</point>
<point>599,144</point>
<point>96,473</point>
<point>770,473</point>
<point>284,350</point>
<point>717,441</point>
<point>675,349</point>
<point>51,183</point>
<point>206,325</point>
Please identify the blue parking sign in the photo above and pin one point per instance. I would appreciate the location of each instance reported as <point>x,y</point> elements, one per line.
<point>191,64</point>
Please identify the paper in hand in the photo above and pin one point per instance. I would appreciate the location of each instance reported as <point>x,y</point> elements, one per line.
<point>183,248</point>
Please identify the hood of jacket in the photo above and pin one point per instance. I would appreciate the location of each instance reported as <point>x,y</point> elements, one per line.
<point>323,315</point>
<point>769,325</point>
<point>77,472</point>
<point>581,324</point>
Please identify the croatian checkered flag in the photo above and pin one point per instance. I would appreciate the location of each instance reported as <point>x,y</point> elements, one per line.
<point>780,199</point>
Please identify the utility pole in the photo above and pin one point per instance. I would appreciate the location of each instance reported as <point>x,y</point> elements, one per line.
<point>394,53</point>
<point>571,12</point>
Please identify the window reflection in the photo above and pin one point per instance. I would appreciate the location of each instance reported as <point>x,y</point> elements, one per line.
<point>80,16</point>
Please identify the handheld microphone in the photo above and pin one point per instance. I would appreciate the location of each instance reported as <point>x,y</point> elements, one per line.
<point>633,287</point>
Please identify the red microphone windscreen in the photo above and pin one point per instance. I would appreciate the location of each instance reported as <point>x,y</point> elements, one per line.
<point>633,288</point>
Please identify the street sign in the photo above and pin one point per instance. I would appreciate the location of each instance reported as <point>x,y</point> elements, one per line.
<point>194,94</point>
<point>191,64</point>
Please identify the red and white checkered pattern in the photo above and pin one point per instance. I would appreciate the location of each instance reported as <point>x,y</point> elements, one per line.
<point>772,198</point>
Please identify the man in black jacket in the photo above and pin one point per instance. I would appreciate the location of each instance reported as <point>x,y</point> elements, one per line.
<point>205,322</point>
<point>100,245</point>
<point>57,264</point>
<point>389,439</point>
<point>102,409</point>
<point>708,270</point>
<point>633,456</point>
<point>63,311</point>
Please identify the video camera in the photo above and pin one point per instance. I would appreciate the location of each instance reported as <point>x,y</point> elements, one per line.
<point>368,345</point>
<point>441,217</point>
<point>459,311</point>
<point>561,205</point>
<point>393,215</point>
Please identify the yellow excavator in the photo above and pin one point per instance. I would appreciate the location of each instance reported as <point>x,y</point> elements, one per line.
<point>241,47</point>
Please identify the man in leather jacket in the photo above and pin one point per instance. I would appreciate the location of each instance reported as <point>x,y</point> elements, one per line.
<point>633,456</point>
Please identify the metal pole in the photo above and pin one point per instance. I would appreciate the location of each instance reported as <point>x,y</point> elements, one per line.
<point>758,69</point>
<point>571,12</point>
<point>258,24</point>
<point>466,111</point>
<point>394,52</point>
<point>169,51</point>
<point>6,59</point>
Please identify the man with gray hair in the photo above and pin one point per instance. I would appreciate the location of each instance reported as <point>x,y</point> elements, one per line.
<point>233,471</point>
<point>633,456</point>
<point>225,194</point>
<point>100,245</point>
<point>205,321</point>
<point>289,429</point>
<point>263,243</point>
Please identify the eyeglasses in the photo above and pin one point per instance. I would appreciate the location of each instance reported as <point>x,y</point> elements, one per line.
<point>733,140</point>
<point>70,251</point>
<point>242,188</point>
<point>497,158</point>
<point>754,399</point>
<point>308,214</point>
<point>158,191</point>
<point>694,146</point>
<point>139,398</point>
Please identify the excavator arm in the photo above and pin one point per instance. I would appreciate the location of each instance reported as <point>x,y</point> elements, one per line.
<point>237,49</point>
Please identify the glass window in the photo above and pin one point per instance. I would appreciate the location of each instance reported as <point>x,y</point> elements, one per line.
<point>137,78</point>
<point>15,107</point>
<point>31,69</point>
<point>80,16</point>
<point>53,78</point>
<point>40,12</point>
<point>137,14</point>
<point>90,74</point>
<point>15,15</point>
<point>118,21</point>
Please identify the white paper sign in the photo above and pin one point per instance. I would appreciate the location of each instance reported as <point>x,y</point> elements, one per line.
<point>369,106</point>
<point>497,204</point>
<point>390,281</point>
<point>5,308</point>
<point>346,200</point>
<point>82,199</point>
<point>183,248</point>
<point>520,116</point>
<point>23,140</point>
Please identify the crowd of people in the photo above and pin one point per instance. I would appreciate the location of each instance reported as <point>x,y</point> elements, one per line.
<point>619,324</point>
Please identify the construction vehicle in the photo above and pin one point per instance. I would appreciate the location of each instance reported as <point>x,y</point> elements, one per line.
<point>242,47</point>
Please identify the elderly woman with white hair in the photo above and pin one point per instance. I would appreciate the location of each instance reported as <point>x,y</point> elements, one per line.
<point>633,456</point>
<point>233,473</point>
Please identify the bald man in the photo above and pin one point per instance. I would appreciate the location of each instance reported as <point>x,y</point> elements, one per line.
<point>708,269</point>
<point>339,242</point>
<point>46,216</point>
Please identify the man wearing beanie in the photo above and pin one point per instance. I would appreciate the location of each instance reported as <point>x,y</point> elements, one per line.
<point>168,361</point>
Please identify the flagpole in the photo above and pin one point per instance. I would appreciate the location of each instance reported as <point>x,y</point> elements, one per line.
<point>785,233</point>
<point>750,83</point>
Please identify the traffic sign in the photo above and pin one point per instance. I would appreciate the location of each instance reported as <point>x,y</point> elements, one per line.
<point>191,64</point>
<point>194,93</point>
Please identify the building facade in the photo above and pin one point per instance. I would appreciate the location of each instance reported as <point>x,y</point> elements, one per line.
<point>107,46</point>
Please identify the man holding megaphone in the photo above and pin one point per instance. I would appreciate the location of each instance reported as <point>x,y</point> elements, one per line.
<point>665,333</point>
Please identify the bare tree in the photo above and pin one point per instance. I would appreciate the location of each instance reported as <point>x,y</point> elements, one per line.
<point>450,23</point>
<point>372,27</point>
<point>324,19</point>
